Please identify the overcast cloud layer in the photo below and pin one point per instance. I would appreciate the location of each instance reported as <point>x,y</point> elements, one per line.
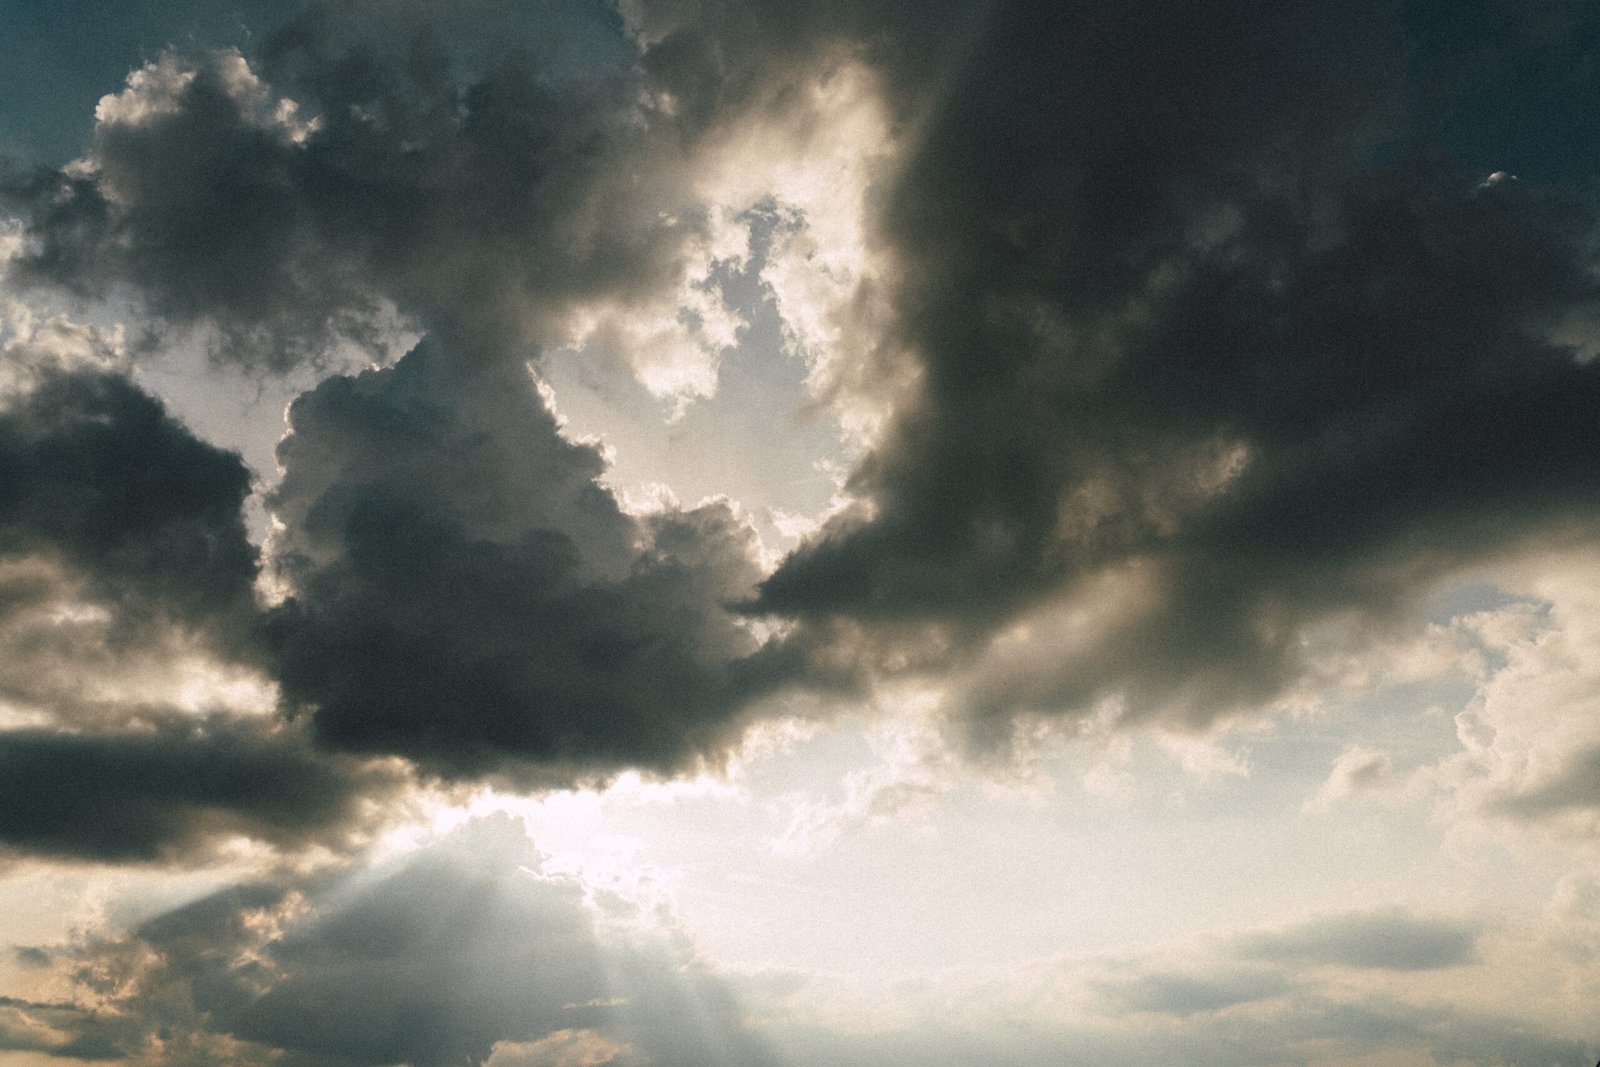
<point>1179,368</point>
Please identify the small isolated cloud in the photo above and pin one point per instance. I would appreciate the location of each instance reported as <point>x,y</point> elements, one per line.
<point>1389,941</point>
<point>1357,772</point>
<point>1185,994</point>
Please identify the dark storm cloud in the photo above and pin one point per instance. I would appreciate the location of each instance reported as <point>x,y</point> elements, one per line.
<point>97,477</point>
<point>1190,313</point>
<point>483,166</point>
<point>173,789</point>
<point>466,594</point>
<point>122,549</point>
<point>1391,942</point>
<point>480,166</point>
<point>429,960</point>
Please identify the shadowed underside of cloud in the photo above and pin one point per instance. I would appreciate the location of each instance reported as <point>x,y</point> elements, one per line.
<point>1182,337</point>
<point>1214,355</point>
<point>123,559</point>
<point>466,594</point>
<point>95,476</point>
<point>175,788</point>
<point>1575,788</point>
<point>1185,994</point>
<point>1392,941</point>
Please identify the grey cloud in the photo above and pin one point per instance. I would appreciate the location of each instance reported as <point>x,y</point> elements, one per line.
<point>49,1028</point>
<point>467,595</point>
<point>480,165</point>
<point>1391,941</point>
<point>177,787</point>
<point>1186,301</point>
<point>1181,994</point>
<point>31,956</point>
<point>430,959</point>
<point>96,476</point>
<point>123,556</point>
<point>1174,318</point>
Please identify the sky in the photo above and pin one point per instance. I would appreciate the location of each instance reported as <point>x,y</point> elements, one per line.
<point>742,533</point>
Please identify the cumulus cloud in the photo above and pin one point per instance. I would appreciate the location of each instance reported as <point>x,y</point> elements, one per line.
<point>1176,355</point>
<point>1528,737</point>
<point>176,787</point>
<point>1216,387</point>
<point>509,178</point>
<point>463,592</point>
<point>465,165</point>
<point>97,477</point>
<point>133,723</point>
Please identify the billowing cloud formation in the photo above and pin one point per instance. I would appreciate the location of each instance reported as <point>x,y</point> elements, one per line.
<point>1199,376</point>
<point>126,578</point>
<point>1173,354</point>
<point>475,169</point>
<point>466,594</point>
<point>96,477</point>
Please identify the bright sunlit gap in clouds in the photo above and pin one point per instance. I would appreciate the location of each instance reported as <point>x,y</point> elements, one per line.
<point>617,532</point>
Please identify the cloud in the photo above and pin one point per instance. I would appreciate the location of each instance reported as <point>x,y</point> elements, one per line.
<point>1224,390</point>
<point>439,957</point>
<point>1313,1029</point>
<point>509,178</point>
<point>97,477</point>
<point>453,162</point>
<point>135,727</point>
<point>176,788</point>
<point>464,593</point>
<point>1528,737</point>
<point>1357,771</point>
<point>1184,995</point>
<point>1391,941</point>
<point>1574,786</point>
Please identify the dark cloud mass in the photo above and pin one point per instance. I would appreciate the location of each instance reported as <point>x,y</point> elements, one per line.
<point>484,166</point>
<point>123,547</point>
<point>1196,317</point>
<point>1214,346</point>
<point>172,789</point>
<point>96,476</point>
<point>466,594</point>
<point>1182,351</point>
